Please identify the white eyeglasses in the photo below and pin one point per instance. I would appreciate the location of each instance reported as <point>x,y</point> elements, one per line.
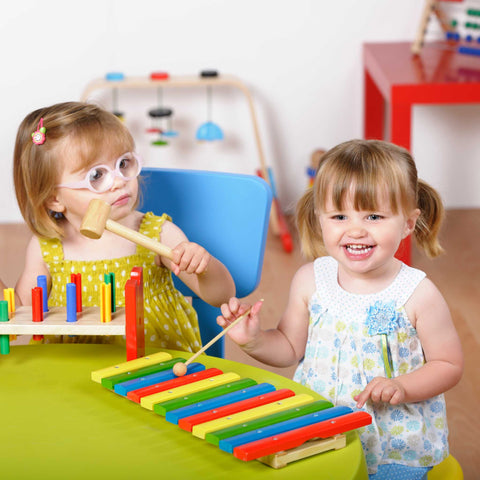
<point>100,178</point>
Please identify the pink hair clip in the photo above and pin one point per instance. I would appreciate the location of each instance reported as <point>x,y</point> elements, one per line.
<point>38,136</point>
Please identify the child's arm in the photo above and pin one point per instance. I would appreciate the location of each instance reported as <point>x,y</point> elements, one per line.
<point>199,270</point>
<point>443,353</point>
<point>282,346</point>
<point>34,266</point>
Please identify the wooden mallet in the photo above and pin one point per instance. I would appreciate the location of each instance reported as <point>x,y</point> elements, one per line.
<point>96,221</point>
<point>180,368</point>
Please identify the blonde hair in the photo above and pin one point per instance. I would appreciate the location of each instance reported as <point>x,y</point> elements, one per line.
<point>86,129</point>
<point>370,167</point>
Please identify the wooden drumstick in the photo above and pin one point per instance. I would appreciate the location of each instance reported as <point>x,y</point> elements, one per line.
<point>180,368</point>
<point>96,221</point>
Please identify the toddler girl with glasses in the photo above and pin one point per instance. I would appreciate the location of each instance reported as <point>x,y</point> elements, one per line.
<point>68,154</point>
<point>366,330</point>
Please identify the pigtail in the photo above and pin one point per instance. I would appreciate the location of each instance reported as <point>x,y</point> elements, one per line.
<point>311,241</point>
<point>430,219</point>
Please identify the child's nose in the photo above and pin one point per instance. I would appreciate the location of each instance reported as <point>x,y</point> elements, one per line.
<point>356,230</point>
<point>118,182</point>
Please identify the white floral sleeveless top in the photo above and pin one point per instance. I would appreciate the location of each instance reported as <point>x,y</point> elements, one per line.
<point>352,339</point>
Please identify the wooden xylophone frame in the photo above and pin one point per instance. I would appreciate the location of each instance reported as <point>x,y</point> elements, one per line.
<point>250,420</point>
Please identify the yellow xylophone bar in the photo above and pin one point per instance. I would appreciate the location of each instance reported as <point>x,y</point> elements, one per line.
<point>125,367</point>
<point>151,400</point>
<point>203,428</point>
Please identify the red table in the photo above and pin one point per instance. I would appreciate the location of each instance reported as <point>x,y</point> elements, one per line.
<point>396,78</point>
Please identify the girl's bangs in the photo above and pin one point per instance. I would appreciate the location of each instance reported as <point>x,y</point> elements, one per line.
<point>367,185</point>
<point>92,142</point>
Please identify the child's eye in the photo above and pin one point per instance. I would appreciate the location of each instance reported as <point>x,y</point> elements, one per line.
<point>374,216</point>
<point>339,217</point>
<point>124,163</point>
<point>96,174</point>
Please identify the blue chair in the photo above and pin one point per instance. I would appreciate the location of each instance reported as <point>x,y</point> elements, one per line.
<point>227,214</point>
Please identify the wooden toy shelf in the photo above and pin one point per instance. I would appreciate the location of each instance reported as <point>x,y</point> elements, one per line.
<point>277,221</point>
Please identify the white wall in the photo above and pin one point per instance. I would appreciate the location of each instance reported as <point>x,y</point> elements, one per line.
<point>302,60</point>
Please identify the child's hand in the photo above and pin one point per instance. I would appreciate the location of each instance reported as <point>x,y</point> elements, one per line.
<point>382,389</point>
<point>189,257</point>
<point>247,329</point>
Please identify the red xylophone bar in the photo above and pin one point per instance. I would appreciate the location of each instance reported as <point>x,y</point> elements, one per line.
<point>299,436</point>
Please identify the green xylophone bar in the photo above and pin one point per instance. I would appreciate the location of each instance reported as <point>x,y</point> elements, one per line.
<point>110,382</point>
<point>215,437</point>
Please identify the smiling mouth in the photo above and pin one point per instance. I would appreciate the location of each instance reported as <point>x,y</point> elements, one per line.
<point>358,249</point>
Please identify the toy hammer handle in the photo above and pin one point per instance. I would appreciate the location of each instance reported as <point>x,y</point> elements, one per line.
<point>96,221</point>
<point>139,238</point>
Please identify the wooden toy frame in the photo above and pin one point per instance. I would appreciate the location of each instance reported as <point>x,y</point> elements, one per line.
<point>277,220</point>
<point>430,7</point>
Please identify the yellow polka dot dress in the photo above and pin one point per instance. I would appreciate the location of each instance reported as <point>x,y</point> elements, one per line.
<point>170,320</point>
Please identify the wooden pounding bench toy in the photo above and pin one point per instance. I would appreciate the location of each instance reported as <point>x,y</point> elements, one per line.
<point>39,320</point>
<point>252,421</point>
<point>75,319</point>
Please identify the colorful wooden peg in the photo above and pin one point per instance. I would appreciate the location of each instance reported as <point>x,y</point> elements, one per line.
<point>42,283</point>
<point>105,303</point>
<point>9,296</point>
<point>37,308</point>
<point>76,278</point>
<point>4,339</point>
<point>71,302</point>
<point>109,279</point>
<point>134,315</point>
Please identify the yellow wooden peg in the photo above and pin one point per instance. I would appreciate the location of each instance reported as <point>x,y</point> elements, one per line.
<point>105,303</point>
<point>9,296</point>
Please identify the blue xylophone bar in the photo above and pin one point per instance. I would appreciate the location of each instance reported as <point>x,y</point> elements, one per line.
<point>124,387</point>
<point>175,416</point>
<point>229,444</point>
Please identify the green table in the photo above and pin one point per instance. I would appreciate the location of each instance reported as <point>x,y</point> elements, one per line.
<point>56,423</point>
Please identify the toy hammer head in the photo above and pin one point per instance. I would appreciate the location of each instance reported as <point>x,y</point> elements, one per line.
<point>95,220</point>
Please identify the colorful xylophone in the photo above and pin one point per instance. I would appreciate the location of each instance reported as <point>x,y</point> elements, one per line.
<point>252,421</point>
